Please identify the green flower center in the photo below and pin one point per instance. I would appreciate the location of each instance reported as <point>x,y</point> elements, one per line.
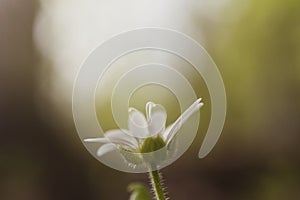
<point>152,144</point>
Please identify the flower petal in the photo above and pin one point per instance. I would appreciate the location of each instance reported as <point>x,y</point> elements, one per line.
<point>104,149</point>
<point>173,129</point>
<point>102,140</point>
<point>149,106</point>
<point>118,136</point>
<point>167,132</point>
<point>156,117</point>
<point>137,124</point>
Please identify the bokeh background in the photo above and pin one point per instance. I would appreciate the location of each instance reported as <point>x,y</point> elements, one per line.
<point>256,45</point>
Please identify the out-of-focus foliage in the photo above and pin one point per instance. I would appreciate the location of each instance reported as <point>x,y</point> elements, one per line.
<point>138,192</point>
<point>259,55</point>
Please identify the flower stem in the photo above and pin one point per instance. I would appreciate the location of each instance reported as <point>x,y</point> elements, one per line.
<point>155,179</point>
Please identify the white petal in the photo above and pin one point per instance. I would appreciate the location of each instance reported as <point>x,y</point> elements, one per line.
<point>149,106</point>
<point>105,149</point>
<point>118,136</point>
<point>102,140</point>
<point>167,132</point>
<point>137,124</point>
<point>156,117</point>
<point>181,120</point>
<point>193,108</point>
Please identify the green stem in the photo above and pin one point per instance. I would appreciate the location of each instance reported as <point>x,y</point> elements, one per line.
<point>157,185</point>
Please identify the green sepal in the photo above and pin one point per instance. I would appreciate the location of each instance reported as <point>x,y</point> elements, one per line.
<point>131,157</point>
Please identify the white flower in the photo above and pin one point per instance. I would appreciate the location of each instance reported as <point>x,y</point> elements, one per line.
<point>144,134</point>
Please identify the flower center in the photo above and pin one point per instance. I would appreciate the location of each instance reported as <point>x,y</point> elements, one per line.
<point>152,144</point>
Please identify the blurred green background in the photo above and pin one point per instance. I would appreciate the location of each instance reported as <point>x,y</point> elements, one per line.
<point>256,45</point>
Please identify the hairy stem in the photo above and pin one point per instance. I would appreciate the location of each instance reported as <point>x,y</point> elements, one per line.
<point>155,179</point>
